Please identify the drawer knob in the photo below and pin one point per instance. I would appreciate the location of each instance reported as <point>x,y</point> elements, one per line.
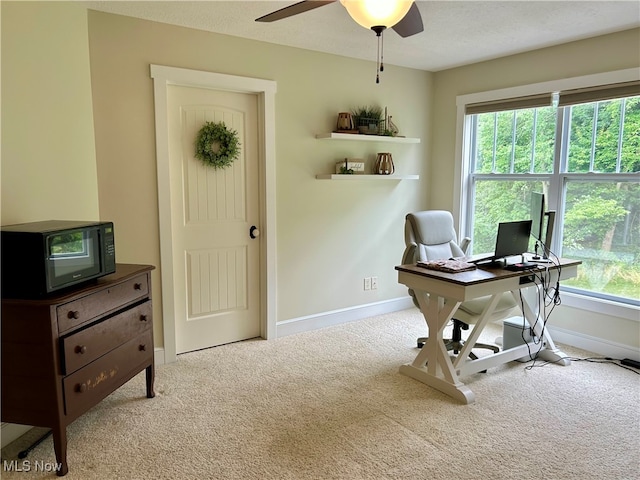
<point>137,286</point>
<point>143,318</point>
<point>81,387</point>
<point>142,347</point>
<point>74,314</point>
<point>81,349</point>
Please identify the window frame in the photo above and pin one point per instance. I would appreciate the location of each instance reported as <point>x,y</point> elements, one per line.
<point>462,177</point>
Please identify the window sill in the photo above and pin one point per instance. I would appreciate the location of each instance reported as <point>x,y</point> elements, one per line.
<point>597,305</point>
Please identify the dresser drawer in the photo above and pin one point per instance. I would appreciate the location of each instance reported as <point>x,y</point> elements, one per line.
<point>104,301</point>
<point>83,347</point>
<point>89,385</point>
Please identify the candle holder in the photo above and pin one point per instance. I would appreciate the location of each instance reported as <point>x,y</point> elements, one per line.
<point>345,123</point>
<point>384,164</point>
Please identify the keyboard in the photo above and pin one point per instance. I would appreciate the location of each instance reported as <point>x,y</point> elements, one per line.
<point>520,267</point>
<point>483,259</point>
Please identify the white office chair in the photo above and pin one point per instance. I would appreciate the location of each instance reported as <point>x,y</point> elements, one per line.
<point>430,235</point>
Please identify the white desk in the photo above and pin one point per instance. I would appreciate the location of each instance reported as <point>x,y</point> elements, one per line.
<point>440,294</point>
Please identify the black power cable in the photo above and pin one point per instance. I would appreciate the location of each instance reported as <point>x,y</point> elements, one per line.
<point>546,303</point>
<point>613,361</point>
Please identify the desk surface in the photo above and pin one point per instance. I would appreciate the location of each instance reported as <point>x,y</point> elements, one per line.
<point>440,294</point>
<point>483,273</point>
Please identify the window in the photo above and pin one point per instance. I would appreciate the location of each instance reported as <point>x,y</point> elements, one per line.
<point>581,148</point>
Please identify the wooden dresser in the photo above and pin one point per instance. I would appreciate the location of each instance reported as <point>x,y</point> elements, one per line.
<point>62,355</point>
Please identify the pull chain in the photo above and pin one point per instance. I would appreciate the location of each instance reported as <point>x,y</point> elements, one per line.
<point>381,52</point>
<point>379,58</point>
<point>378,70</point>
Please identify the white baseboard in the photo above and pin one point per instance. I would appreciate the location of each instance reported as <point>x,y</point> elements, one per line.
<point>597,345</point>
<point>343,315</point>
<point>158,355</point>
<point>10,432</point>
<point>335,317</point>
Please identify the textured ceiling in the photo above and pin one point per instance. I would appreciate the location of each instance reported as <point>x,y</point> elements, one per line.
<point>455,32</point>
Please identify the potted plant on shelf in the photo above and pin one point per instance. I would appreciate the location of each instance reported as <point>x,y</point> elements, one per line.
<point>367,119</point>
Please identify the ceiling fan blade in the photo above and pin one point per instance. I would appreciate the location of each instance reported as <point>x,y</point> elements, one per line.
<point>294,9</point>
<point>410,24</point>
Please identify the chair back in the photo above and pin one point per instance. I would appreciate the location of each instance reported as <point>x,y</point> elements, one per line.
<point>430,235</point>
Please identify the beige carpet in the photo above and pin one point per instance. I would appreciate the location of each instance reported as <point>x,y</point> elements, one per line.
<point>330,404</point>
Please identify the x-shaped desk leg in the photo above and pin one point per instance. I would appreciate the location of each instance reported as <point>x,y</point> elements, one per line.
<point>433,365</point>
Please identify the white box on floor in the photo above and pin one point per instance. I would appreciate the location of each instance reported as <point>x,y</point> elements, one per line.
<point>515,332</point>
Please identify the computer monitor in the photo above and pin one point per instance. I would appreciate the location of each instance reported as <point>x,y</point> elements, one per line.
<point>541,225</point>
<point>512,239</point>
<point>551,219</point>
<point>537,215</point>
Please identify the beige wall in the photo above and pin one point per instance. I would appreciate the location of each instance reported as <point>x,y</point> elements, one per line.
<point>597,55</point>
<point>48,153</point>
<point>330,234</point>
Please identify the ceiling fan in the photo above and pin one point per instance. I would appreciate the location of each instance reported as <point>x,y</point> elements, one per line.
<point>402,16</point>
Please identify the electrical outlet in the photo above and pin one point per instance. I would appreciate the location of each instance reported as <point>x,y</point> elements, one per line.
<point>374,283</point>
<point>367,283</point>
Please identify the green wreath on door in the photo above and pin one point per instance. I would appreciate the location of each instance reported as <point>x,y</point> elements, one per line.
<point>216,145</point>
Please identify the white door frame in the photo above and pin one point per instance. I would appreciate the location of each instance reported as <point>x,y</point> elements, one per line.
<point>164,76</point>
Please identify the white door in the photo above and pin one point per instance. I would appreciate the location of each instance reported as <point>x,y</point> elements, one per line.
<point>215,261</point>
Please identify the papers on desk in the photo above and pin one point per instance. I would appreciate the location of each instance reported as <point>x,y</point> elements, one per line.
<point>451,266</point>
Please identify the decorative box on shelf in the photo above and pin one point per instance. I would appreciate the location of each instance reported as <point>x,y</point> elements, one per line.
<point>350,166</point>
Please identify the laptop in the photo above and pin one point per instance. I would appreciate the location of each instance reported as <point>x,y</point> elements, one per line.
<point>512,239</point>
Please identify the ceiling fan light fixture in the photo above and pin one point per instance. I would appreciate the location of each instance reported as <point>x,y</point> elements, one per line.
<point>372,13</point>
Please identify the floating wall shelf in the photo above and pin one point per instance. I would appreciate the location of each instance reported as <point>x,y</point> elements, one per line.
<point>365,138</point>
<point>339,176</point>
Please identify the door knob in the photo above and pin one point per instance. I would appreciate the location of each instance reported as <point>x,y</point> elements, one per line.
<point>254,232</point>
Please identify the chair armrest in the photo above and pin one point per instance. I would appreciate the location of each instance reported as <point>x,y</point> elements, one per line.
<point>464,244</point>
<point>409,255</point>
<point>409,258</point>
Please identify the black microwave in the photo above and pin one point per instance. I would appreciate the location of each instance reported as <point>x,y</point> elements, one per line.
<point>43,257</point>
